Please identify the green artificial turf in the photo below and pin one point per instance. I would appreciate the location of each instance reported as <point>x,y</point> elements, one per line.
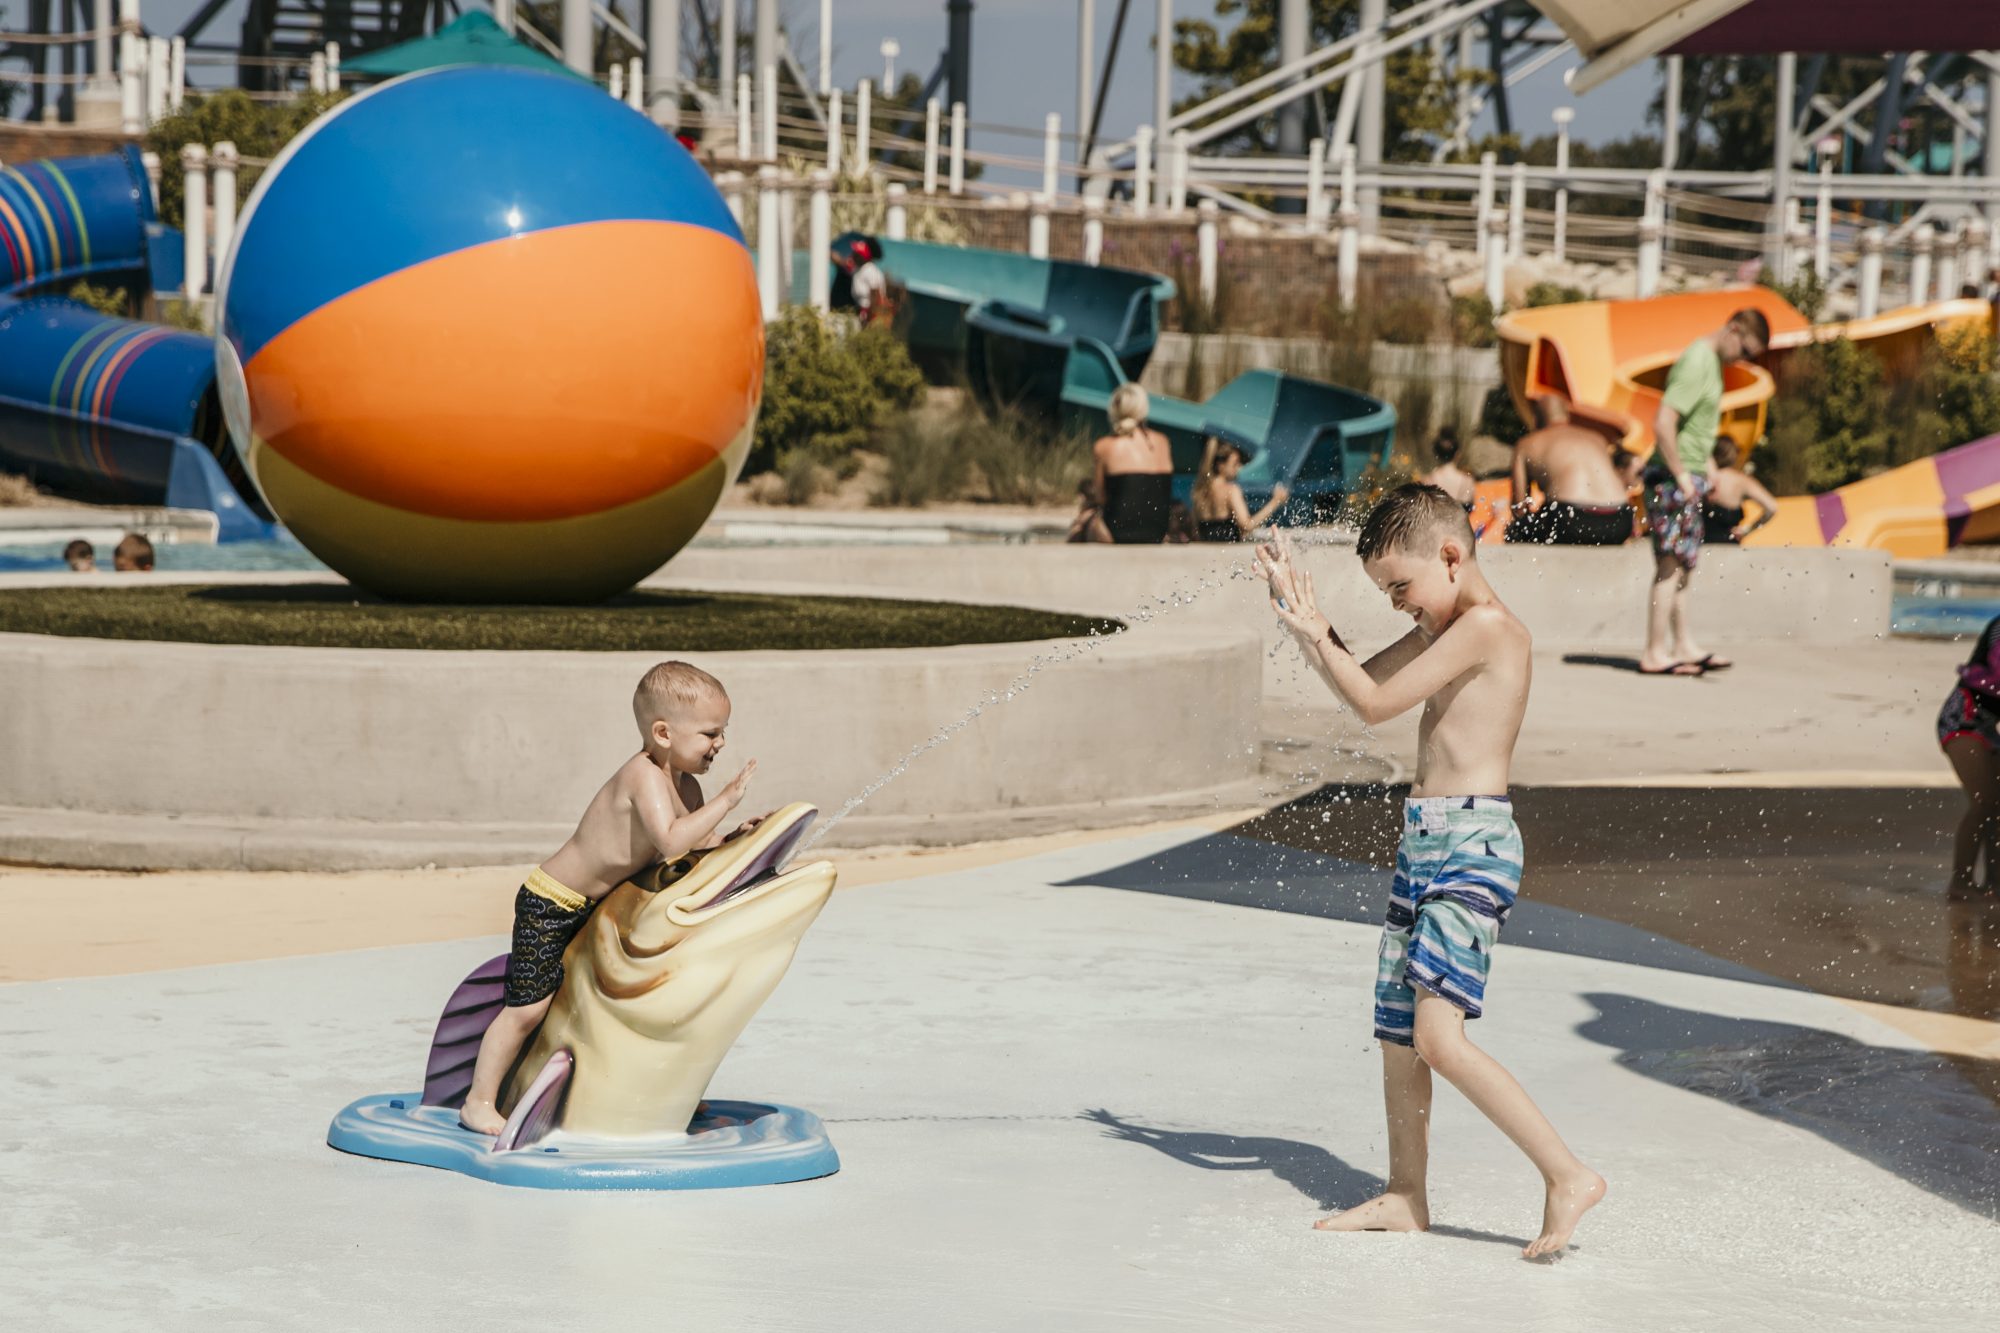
<point>318,615</point>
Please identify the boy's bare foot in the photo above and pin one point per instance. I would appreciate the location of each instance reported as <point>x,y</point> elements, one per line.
<point>1568,1201</point>
<point>1385,1212</point>
<point>482,1118</point>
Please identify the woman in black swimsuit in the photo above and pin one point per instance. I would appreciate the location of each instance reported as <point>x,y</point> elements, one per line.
<point>1135,472</point>
<point>1728,487</point>
<point>1221,514</point>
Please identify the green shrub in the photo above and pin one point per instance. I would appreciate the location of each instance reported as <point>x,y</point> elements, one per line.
<point>1953,399</point>
<point>922,461</point>
<point>826,388</point>
<point>1555,293</point>
<point>1022,462</point>
<point>1805,291</point>
<point>1830,419</point>
<point>1472,321</point>
<point>113,301</point>
<point>1411,322</point>
<point>260,130</point>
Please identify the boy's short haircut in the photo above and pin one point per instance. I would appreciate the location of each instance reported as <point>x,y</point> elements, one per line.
<point>1408,515</point>
<point>671,686</point>
<point>136,548</point>
<point>79,550</point>
<point>1726,453</point>
<point>1752,322</point>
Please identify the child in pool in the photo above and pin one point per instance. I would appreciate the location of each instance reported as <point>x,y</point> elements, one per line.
<point>1968,729</point>
<point>1459,863</point>
<point>651,810</point>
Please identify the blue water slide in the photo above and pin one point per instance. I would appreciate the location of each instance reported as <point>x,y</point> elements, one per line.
<point>93,407</point>
<point>1052,339</point>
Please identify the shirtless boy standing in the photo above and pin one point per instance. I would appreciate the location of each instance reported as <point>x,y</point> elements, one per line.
<point>1459,863</point>
<point>651,810</point>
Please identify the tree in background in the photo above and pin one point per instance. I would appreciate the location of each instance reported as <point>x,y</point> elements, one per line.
<point>258,129</point>
<point>8,91</point>
<point>1417,104</point>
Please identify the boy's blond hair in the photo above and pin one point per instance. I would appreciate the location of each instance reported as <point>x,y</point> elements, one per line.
<point>1409,517</point>
<point>670,687</point>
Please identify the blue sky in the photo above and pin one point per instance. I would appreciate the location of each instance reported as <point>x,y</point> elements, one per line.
<point>1024,59</point>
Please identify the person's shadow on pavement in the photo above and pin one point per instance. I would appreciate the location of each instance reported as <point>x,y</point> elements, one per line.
<point>1308,1168</point>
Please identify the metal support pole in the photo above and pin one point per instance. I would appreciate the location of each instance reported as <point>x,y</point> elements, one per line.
<point>1177,188</point>
<point>731,185</point>
<point>316,72</point>
<point>1086,41</point>
<point>1871,271</point>
<point>930,146</point>
<point>1517,211</point>
<point>1947,266</point>
<point>834,132</point>
<point>726,75</point>
<point>1142,170</point>
<point>1038,227</point>
<point>1347,260</point>
<point>767,77</point>
<point>764,39</point>
<point>663,62</point>
<point>1093,229</point>
<point>1483,205</point>
<point>100,44</point>
<point>746,117</point>
<point>158,58</point>
<point>223,160</point>
<point>897,217</point>
<point>958,148</point>
<point>635,83</point>
<point>1207,243</point>
<point>1163,70</point>
<point>1921,242</point>
<point>788,231</point>
<point>1349,196</point>
<point>1990,146</point>
<point>503,15</point>
<point>1563,116</point>
<point>1292,30</point>
<point>1670,115</point>
<point>1315,184</point>
<point>1775,239</point>
<point>332,66</point>
<point>131,69</point>
<point>1051,153</point>
<point>576,35</point>
<point>1650,229</point>
<point>614,82</point>
<point>194,221</point>
<point>819,241</point>
<point>1368,124</point>
<point>767,241</point>
<point>177,54</point>
<point>1495,228</point>
<point>863,114</point>
<point>1797,247</point>
<point>1823,222</point>
<point>825,49</point>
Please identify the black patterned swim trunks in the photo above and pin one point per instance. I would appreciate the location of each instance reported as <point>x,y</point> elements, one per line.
<point>547,917</point>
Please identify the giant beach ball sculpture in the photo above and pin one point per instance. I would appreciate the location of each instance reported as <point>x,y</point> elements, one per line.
<point>487,334</point>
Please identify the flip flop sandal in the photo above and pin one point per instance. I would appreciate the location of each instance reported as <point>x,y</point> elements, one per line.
<point>1685,669</point>
<point>1710,663</point>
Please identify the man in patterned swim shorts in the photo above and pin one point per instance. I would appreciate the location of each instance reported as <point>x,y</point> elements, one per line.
<point>1684,439</point>
<point>650,811</point>
<point>1459,863</point>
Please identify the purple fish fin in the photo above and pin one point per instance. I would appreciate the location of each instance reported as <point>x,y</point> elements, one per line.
<point>467,1015</point>
<point>535,1114</point>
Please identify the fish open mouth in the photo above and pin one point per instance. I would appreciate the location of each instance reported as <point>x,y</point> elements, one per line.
<point>746,867</point>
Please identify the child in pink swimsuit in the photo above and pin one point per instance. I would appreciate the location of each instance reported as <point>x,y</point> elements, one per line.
<point>1968,728</point>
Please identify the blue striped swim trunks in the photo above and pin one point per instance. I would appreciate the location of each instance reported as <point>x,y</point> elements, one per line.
<point>1458,868</point>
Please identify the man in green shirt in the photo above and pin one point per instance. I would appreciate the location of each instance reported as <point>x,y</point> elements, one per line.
<point>1684,435</point>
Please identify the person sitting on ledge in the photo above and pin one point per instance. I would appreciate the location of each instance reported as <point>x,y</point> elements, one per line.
<point>81,557</point>
<point>1135,472</point>
<point>1448,476</point>
<point>1728,487</point>
<point>133,555</point>
<point>650,811</point>
<point>1221,514</point>
<point>1584,501</point>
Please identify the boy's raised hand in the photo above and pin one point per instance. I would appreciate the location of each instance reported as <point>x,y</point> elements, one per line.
<point>732,795</point>
<point>1291,589</point>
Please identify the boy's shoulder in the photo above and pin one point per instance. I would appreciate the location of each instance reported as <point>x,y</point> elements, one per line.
<point>1494,623</point>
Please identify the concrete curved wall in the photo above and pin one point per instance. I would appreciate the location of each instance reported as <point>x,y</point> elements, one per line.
<point>491,756</point>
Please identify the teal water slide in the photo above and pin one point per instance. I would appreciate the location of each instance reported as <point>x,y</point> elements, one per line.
<point>1053,339</point>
